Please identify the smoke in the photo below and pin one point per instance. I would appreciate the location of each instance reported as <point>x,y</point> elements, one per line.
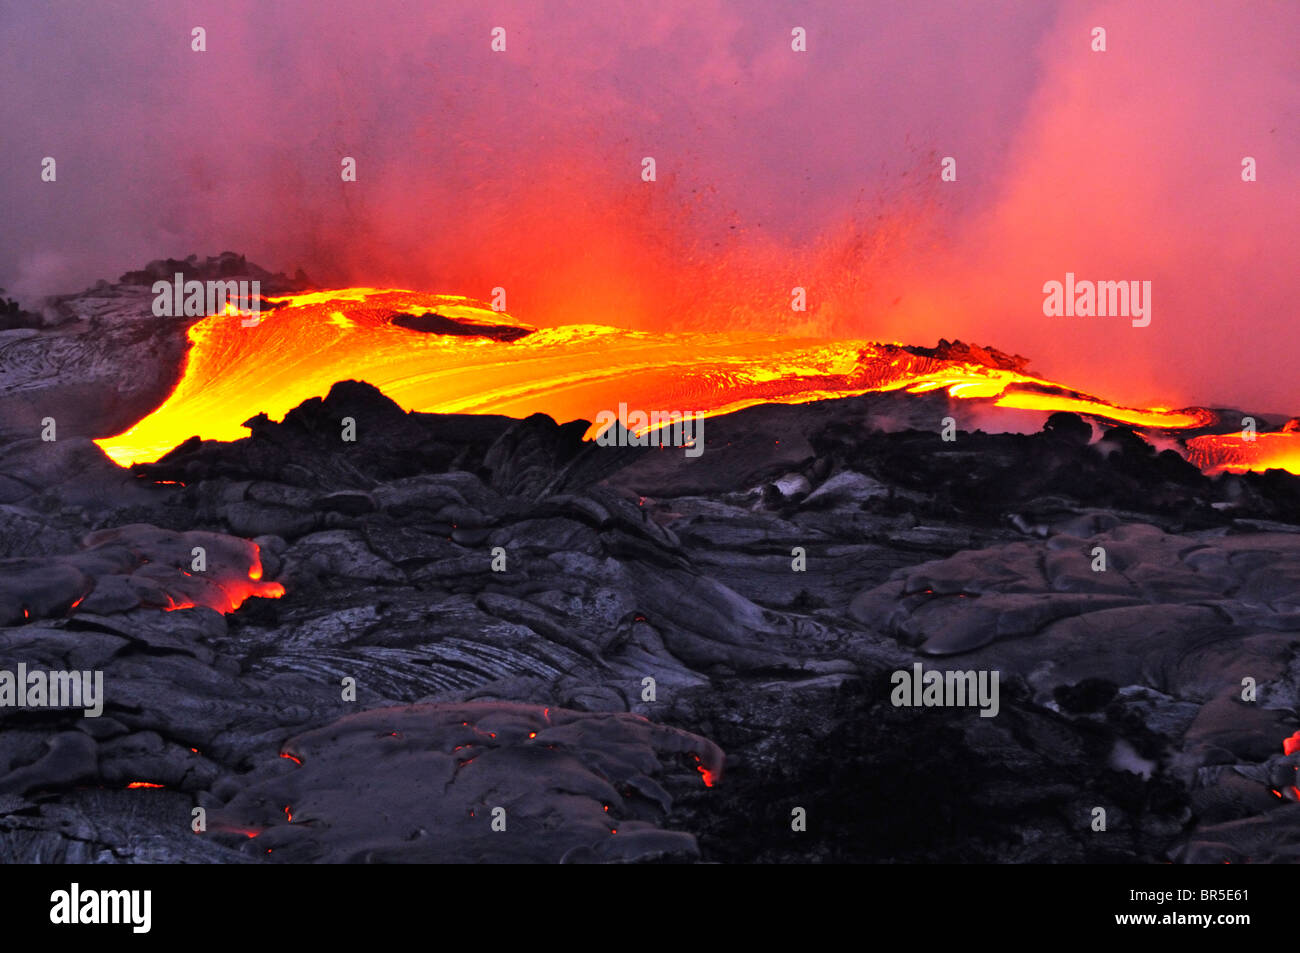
<point>775,169</point>
<point>1127,164</point>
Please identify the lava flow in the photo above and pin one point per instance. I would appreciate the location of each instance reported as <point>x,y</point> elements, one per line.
<point>1235,453</point>
<point>441,354</point>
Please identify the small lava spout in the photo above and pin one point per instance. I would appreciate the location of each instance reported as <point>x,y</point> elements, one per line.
<point>1291,745</point>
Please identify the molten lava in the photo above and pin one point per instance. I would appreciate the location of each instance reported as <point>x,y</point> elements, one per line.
<point>1233,453</point>
<point>227,591</point>
<point>442,354</point>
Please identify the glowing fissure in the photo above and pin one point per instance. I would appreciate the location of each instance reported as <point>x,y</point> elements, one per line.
<point>310,341</point>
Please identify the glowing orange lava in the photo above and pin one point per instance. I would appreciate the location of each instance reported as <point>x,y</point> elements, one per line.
<point>709,776</point>
<point>310,341</point>
<point>1231,453</point>
<point>224,592</point>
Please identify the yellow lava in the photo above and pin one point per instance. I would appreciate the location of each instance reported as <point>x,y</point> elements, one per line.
<point>1231,453</point>
<point>297,351</point>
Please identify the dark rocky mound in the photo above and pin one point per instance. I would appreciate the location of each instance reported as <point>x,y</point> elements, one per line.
<point>481,782</point>
<point>971,354</point>
<point>221,267</point>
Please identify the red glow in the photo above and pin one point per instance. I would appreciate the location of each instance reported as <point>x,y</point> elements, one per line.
<point>288,813</point>
<point>144,784</point>
<point>1291,745</point>
<point>709,776</point>
<point>227,589</point>
<point>285,754</point>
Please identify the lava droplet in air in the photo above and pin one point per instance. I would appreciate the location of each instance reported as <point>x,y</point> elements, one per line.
<point>444,354</point>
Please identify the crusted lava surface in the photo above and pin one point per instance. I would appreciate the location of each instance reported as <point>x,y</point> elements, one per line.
<point>522,686</point>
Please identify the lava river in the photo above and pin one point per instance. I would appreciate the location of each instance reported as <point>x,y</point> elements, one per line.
<point>442,354</point>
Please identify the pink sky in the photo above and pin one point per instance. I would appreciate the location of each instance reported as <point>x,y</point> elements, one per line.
<point>776,168</point>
